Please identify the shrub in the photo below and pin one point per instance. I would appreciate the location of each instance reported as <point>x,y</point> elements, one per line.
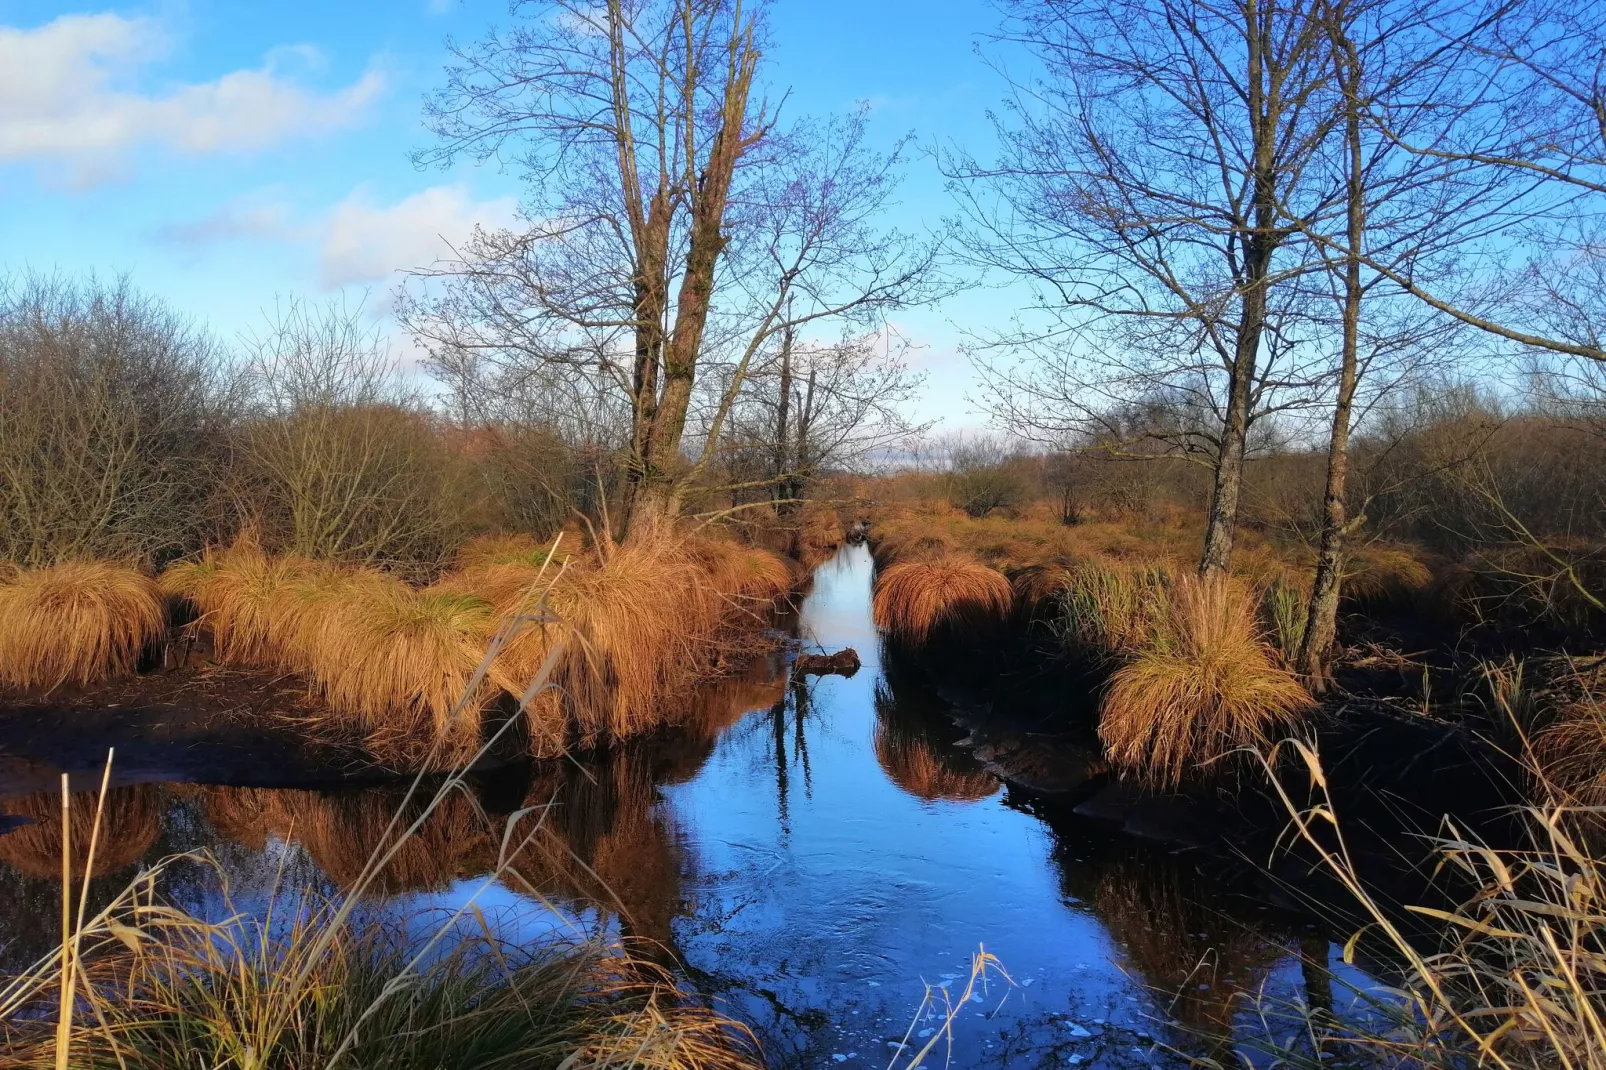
<point>338,460</point>
<point>1202,686</point>
<point>916,600</point>
<point>114,414</point>
<point>76,623</point>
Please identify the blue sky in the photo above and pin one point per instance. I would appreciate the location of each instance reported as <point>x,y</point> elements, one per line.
<point>225,154</point>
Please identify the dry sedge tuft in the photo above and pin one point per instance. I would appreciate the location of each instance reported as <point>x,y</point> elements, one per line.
<point>239,593</point>
<point>915,600</point>
<point>740,571</point>
<point>76,623</point>
<point>401,661</point>
<point>1110,609</point>
<point>1380,577</point>
<point>1570,751</point>
<point>489,550</point>
<point>640,623</point>
<point>1203,686</point>
<point>1038,590</point>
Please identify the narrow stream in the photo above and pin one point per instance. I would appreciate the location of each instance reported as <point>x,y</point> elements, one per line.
<point>813,855</point>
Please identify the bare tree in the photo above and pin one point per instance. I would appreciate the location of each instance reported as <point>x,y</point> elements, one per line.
<point>671,225</point>
<point>1385,207</point>
<point>811,408</point>
<point>1141,190</point>
<point>1518,99</point>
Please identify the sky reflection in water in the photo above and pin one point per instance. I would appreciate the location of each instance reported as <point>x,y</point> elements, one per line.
<point>813,854</point>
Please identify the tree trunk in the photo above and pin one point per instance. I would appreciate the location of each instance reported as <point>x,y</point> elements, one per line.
<point>1321,624</point>
<point>1223,518</point>
<point>1259,242</point>
<point>782,456</point>
<point>659,491</point>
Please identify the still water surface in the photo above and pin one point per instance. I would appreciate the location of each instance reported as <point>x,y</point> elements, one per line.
<point>812,855</point>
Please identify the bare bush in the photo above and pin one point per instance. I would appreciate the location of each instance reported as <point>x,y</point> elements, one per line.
<point>113,412</point>
<point>338,460</point>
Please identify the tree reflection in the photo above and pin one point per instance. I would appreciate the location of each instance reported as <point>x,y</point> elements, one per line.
<point>1176,933</point>
<point>914,744</point>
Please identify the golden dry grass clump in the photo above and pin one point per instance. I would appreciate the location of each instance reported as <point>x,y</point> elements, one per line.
<point>1110,608</point>
<point>1038,590</point>
<point>239,593</point>
<point>918,599</point>
<point>129,826</point>
<point>1384,576</point>
<point>401,662</point>
<point>639,623</point>
<point>1569,752</point>
<point>1202,686</point>
<point>76,623</point>
<point>744,572</point>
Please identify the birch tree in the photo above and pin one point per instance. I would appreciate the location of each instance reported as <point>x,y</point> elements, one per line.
<point>1147,157</point>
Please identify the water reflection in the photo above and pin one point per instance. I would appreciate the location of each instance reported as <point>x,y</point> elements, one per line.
<point>130,825</point>
<point>809,852</point>
<point>914,742</point>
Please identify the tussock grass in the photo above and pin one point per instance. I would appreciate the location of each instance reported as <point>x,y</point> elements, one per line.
<point>1379,577</point>
<point>1569,752</point>
<point>640,624</point>
<point>1202,686</point>
<point>819,534</point>
<point>742,571</point>
<point>507,549</point>
<point>1110,609</point>
<point>917,599</point>
<point>76,623</point>
<point>401,662</point>
<point>239,593</point>
<point>142,983</point>
<point>159,988</point>
<point>1039,591</point>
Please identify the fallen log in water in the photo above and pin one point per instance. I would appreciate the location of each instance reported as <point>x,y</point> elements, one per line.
<point>844,662</point>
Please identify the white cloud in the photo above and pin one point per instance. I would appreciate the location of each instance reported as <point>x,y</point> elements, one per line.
<point>66,97</point>
<point>367,243</point>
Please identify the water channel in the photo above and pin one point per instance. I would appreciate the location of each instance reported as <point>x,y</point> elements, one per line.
<point>812,856</point>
